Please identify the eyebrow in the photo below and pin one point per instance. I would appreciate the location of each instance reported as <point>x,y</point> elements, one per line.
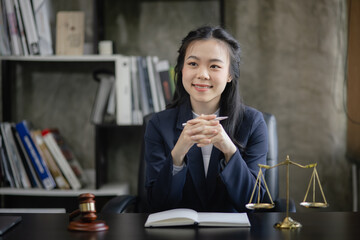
<point>211,60</point>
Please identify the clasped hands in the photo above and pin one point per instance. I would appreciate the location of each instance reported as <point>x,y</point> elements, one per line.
<point>202,131</point>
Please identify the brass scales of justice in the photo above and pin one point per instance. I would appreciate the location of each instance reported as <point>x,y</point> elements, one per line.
<point>288,222</point>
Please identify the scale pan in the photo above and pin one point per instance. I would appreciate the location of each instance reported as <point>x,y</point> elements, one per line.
<point>314,204</point>
<point>260,205</point>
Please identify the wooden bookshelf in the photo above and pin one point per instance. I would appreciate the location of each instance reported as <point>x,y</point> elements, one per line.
<point>8,66</point>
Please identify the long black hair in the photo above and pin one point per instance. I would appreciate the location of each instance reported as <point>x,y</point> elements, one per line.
<point>230,103</point>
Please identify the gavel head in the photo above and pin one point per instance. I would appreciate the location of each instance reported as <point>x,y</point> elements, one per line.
<point>87,207</point>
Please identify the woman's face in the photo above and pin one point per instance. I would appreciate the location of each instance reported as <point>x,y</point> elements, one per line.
<point>206,72</point>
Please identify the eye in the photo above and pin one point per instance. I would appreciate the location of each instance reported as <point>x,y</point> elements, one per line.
<point>215,66</point>
<point>193,64</point>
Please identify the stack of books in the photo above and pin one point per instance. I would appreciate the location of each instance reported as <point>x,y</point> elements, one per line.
<point>143,85</point>
<point>25,28</point>
<point>37,159</point>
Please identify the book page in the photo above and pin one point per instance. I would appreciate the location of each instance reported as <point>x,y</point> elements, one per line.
<point>174,217</point>
<point>223,219</point>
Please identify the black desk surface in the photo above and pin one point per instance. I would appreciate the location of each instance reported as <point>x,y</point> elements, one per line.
<point>316,225</point>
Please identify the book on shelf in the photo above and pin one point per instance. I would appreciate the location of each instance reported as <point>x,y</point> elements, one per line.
<point>21,30</point>
<point>15,41</point>
<point>153,84</point>
<point>70,33</point>
<point>30,170</point>
<point>30,27</point>
<point>144,102</point>
<point>35,157</point>
<point>123,91</point>
<point>5,48</point>
<point>184,217</point>
<point>163,68</point>
<point>2,170</point>
<point>64,157</point>
<point>60,180</point>
<point>137,116</point>
<point>42,20</point>
<point>110,113</point>
<point>102,98</point>
<point>12,176</point>
<point>146,97</point>
<point>6,175</point>
<point>160,93</point>
<point>15,162</point>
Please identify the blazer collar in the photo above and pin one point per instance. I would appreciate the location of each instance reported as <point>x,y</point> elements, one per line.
<point>185,114</point>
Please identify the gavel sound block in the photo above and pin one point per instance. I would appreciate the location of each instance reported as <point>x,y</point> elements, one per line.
<point>87,221</point>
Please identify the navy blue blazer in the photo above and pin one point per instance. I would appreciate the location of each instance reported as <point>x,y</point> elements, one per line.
<point>223,190</point>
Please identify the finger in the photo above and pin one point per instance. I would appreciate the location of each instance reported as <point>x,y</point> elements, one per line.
<point>204,130</point>
<point>217,134</point>
<point>213,122</point>
<point>203,143</point>
<point>201,125</point>
<point>207,117</point>
<point>201,118</point>
<point>198,138</point>
<point>195,121</point>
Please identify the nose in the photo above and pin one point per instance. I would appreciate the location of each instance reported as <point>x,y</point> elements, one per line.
<point>203,73</point>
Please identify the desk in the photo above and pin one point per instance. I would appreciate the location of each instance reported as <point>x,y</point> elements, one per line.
<point>129,226</point>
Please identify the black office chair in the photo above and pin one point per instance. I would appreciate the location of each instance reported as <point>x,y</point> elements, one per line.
<point>128,203</point>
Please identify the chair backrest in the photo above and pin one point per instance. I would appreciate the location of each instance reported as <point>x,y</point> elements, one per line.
<point>271,176</point>
<point>142,205</point>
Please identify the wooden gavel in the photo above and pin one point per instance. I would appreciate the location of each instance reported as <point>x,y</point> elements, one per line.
<point>87,221</point>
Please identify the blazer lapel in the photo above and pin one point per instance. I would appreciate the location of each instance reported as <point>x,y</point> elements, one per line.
<point>196,168</point>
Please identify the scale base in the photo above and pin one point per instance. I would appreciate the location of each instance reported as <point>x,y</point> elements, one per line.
<point>288,223</point>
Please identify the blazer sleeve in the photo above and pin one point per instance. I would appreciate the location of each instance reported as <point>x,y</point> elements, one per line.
<point>239,175</point>
<point>164,191</point>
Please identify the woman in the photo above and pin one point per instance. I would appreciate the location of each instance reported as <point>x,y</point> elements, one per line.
<point>193,160</point>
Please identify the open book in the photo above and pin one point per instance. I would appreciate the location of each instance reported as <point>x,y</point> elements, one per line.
<point>183,216</point>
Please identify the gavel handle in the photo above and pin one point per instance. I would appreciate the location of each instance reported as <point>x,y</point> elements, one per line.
<point>74,214</point>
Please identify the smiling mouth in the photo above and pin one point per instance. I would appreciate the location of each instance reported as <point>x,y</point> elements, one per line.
<point>201,86</point>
